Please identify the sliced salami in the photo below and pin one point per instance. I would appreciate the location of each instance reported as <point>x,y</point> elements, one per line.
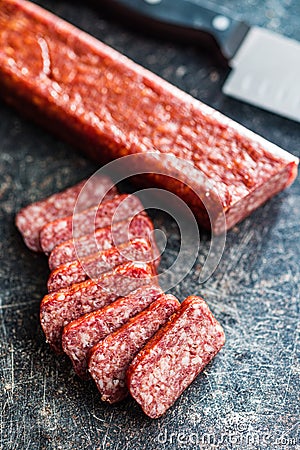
<point>82,334</point>
<point>64,256</point>
<point>110,358</point>
<point>173,358</point>
<point>61,307</point>
<point>119,208</point>
<point>31,219</point>
<point>138,249</point>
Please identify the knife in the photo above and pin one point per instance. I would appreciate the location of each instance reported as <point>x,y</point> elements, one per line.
<point>265,66</point>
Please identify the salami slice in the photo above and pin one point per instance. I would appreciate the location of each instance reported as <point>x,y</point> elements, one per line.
<point>100,101</point>
<point>121,207</point>
<point>173,358</point>
<point>103,239</point>
<point>82,334</point>
<point>110,358</point>
<point>61,307</point>
<point>31,219</point>
<point>138,249</point>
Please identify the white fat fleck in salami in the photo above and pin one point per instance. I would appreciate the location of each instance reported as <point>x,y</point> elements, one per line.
<point>119,208</point>
<point>89,246</point>
<point>31,219</point>
<point>110,358</point>
<point>61,307</point>
<point>173,358</point>
<point>82,334</point>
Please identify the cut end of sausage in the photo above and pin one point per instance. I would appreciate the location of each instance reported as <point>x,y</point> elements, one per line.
<point>110,358</point>
<point>174,357</point>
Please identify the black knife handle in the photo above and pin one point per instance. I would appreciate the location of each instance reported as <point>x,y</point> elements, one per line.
<point>185,19</point>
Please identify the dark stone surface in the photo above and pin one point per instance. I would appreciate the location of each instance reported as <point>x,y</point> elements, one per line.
<point>248,397</point>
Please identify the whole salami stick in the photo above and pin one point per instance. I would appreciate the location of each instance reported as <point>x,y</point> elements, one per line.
<point>109,106</point>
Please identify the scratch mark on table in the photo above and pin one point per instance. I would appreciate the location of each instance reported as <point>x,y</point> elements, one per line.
<point>12,371</point>
<point>107,430</point>
<point>44,393</point>
<point>97,418</point>
<point>236,254</point>
<point>17,305</point>
<point>291,366</point>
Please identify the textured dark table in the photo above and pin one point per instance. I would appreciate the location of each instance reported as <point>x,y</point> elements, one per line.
<point>248,397</point>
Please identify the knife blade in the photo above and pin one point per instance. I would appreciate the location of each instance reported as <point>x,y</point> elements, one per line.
<point>265,66</point>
